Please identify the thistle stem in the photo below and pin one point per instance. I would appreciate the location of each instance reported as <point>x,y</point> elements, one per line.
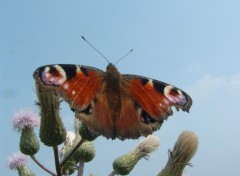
<point>57,164</point>
<point>112,173</point>
<point>43,167</point>
<point>81,168</point>
<point>72,152</point>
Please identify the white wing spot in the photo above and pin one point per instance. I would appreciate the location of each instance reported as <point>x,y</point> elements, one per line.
<point>180,93</point>
<point>66,86</point>
<point>150,81</point>
<point>63,77</point>
<point>149,84</point>
<point>78,69</point>
<point>167,90</point>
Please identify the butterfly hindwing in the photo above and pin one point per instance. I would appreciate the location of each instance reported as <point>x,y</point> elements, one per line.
<point>133,122</point>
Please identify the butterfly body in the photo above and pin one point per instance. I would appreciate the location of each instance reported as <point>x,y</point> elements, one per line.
<point>112,104</point>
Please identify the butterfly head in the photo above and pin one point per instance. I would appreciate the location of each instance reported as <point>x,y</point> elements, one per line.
<point>112,72</point>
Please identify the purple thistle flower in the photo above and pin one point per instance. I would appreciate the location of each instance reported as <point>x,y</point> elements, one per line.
<point>25,118</point>
<point>17,160</point>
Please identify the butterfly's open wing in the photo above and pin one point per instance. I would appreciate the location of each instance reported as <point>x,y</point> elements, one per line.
<point>157,97</point>
<point>77,84</point>
<point>83,88</point>
<point>150,104</point>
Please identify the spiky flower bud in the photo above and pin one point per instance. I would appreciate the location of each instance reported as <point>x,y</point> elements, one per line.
<point>84,131</point>
<point>124,164</point>
<point>24,121</point>
<point>85,153</point>
<point>52,130</point>
<point>17,161</point>
<point>29,144</point>
<point>183,151</point>
<point>69,168</point>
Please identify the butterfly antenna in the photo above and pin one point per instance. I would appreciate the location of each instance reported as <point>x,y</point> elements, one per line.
<point>123,57</point>
<point>95,49</point>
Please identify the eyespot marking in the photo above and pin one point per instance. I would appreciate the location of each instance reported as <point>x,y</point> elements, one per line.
<point>174,95</point>
<point>54,75</point>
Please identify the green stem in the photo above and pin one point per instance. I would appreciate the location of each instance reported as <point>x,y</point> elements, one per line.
<point>81,168</point>
<point>57,164</point>
<point>112,173</point>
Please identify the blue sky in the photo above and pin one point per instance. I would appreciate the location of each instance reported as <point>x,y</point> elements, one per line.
<point>193,45</point>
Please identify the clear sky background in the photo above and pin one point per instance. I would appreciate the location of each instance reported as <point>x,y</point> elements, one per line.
<point>194,45</point>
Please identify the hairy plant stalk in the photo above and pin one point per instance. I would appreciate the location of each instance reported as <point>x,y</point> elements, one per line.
<point>56,158</point>
<point>73,151</point>
<point>81,168</point>
<point>112,173</point>
<point>42,166</point>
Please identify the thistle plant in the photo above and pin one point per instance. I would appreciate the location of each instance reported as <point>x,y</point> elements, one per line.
<point>77,150</point>
<point>78,146</point>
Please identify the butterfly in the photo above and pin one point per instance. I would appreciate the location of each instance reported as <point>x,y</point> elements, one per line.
<point>112,104</point>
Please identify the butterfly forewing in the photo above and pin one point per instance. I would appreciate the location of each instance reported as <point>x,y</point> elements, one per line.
<point>156,97</point>
<point>75,83</point>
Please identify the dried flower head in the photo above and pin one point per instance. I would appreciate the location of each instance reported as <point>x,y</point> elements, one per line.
<point>124,164</point>
<point>148,144</point>
<point>25,118</point>
<point>183,151</point>
<point>70,137</point>
<point>17,160</point>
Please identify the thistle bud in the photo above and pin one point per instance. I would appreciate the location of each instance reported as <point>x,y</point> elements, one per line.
<point>183,151</point>
<point>17,161</point>
<point>52,130</point>
<point>84,131</point>
<point>25,121</point>
<point>85,153</point>
<point>124,164</point>
<point>29,144</point>
<point>69,168</point>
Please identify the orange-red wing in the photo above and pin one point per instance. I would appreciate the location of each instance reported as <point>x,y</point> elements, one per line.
<point>155,97</point>
<point>131,124</point>
<point>100,119</point>
<point>76,84</point>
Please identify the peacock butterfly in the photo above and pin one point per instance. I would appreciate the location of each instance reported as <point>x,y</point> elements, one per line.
<point>112,104</point>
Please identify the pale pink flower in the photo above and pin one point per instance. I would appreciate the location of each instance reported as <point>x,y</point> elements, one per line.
<point>17,160</point>
<point>25,118</point>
